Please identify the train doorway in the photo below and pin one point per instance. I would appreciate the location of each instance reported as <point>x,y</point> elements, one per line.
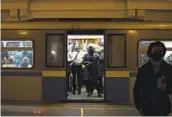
<point>85,74</point>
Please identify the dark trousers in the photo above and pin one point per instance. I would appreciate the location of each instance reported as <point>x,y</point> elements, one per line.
<point>87,87</point>
<point>100,83</point>
<point>93,84</point>
<point>68,78</point>
<point>152,113</point>
<point>68,81</point>
<point>156,109</point>
<point>76,72</point>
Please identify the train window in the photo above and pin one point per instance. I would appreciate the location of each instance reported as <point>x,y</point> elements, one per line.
<point>116,51</point>
<point>55,50</point>
<point>168,57</point>
<point>16,54</point>
<point>143,46</point>
<point>17,44</point>
<point>142,57</point>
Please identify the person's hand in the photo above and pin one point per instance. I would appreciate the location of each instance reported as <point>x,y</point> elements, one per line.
<point>89,63</point>
<point>141,112</point>
<point>162,86</point>
<point>170,114</point>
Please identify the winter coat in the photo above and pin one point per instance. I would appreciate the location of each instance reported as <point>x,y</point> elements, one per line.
<point>147,96</point>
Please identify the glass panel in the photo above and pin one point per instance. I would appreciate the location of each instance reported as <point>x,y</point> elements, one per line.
<point>55,50</point>
<point>2,44</point>
<point>143,57</point>
<point>168,57</point>
<point>17,44</point>
<point>145,44</point>
<point>16,59</point>
<point>116,51</point>
<point>168,44</point>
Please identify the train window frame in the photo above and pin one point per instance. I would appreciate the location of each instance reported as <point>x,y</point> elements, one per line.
<point>20,48</point>
<point>46,50</point>
<point>145,49</point>
<point>125,53</point>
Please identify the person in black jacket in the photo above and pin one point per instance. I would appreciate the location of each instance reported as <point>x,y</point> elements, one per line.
<point>154,83</point>
<point>90,60</point>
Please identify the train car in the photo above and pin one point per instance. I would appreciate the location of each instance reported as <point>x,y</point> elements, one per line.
<point>43,78</point>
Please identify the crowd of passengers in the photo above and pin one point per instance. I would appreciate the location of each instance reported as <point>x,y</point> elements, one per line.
<point>86,66</point>
<point>16,59</point>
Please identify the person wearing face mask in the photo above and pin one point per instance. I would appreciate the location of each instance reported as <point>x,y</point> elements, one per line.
<point>90,60</point>
<point>154,83</point>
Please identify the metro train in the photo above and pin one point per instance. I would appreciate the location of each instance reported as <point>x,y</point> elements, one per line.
<point>45,78</point>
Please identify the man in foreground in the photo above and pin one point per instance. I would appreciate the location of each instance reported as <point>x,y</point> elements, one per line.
<point>154,83</point>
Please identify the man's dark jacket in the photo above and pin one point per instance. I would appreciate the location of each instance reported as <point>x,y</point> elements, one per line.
<point>147,96</point>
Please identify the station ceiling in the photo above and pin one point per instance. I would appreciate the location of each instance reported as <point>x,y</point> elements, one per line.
<point>118,10</point>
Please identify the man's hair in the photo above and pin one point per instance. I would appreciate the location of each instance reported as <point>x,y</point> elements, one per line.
<point>91,48</point>
<point>155,44</point>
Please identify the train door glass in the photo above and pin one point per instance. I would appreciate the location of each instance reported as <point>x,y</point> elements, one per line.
<point>54,75</point>
<point>85,79</point>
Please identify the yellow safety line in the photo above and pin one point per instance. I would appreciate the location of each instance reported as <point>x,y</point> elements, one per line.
<point>82,112</point>
<point>109,108</point>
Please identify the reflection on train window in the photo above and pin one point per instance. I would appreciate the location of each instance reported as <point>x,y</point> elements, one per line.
<point>16,54</point>
<point>143,57</point>
<point>55,50</point>
<point>168,57</point>
<point>116,51</point>
<point>143,46</point>
<point>17,44</point>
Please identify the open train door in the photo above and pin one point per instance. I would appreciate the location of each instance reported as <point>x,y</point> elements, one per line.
<point>116,76</point>
<point>54,75</point>
<point>83,39</point>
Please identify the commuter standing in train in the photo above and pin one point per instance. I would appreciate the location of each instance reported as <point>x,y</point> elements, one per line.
<point>70,50</point>
<point>154,83</point>
<point>101,69</point>
<point>4,55</point>
<point>90,61</point>
<point>76,67</point>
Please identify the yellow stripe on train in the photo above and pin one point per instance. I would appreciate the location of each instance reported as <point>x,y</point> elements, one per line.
<point>54,74</point>
<point>121,74</point>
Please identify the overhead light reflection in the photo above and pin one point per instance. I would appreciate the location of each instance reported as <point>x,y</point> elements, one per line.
<point>132,31</point>
<point>53,52</point>
<point>23,32</point>
<point>162,25</point>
